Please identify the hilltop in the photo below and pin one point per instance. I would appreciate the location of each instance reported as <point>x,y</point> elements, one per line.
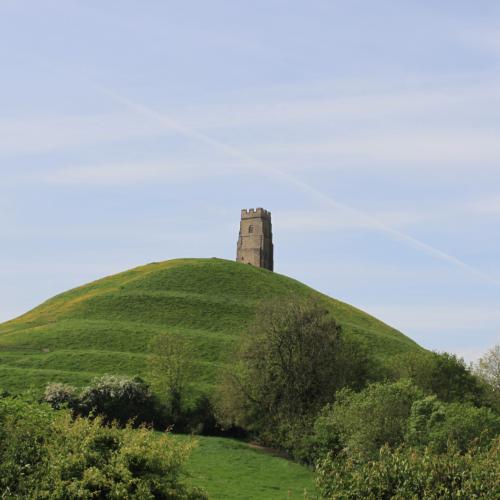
<point>106,326</point>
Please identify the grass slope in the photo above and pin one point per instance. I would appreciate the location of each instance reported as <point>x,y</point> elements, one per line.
<point>106,326</point>
<point>226,468</point>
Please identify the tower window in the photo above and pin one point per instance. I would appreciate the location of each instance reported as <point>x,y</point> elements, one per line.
<point>250,229</point>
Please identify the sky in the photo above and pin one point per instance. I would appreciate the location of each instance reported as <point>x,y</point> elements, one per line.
<point>136,131</point>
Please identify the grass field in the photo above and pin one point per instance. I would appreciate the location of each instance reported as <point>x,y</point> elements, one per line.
<point>107,326</point>
<point>230,469</point>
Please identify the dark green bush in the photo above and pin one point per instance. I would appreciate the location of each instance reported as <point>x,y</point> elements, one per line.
<point>119,399</point>
<point>442,374</point>
<point>362,422</point>
<point>114,398</point>
<point>440,425</point>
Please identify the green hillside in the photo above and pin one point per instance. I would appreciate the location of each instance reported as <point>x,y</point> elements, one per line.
<point>227,468</point>
<point>106,326</point>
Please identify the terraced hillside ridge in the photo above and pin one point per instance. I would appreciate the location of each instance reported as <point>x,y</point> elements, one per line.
<point>106,326</point>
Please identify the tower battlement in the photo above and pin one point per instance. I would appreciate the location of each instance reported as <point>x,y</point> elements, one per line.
<point>255,242</point>
<point>251,213</point>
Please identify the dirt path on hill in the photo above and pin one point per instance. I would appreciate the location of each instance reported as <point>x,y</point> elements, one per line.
<point>270,451</point>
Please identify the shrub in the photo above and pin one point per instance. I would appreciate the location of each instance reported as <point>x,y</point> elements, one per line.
<point>23,432</point>
<point>439,425</point>
<point>442,374</point>
<point>47,454</point>
<point>121,399</point>
<point>408,473</point>
<point>89,460</point>
<point>362,422</point>
<point>60,395</point>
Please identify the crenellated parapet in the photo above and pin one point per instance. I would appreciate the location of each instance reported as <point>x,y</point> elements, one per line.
<point>251,213</point>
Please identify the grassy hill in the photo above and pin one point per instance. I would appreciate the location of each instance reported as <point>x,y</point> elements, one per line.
<point>106,326</point>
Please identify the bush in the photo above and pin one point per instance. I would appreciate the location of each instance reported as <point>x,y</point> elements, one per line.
<point>408,473</point>
<point>201,419</point>
<point>362,422</point>
<point>439,425</point>
<point>23,431</point>
<point>121,399</point>
<point>114,463</point>
<point>442,374</point>
<point>124,399</point>
<point>47,454</point>
<point>61,396</point>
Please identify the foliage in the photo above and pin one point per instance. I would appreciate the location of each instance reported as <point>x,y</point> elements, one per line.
<point>120,399</point>
<point>362,422</point>
<point>202,419</point>
<point>438,425</point>
<point>409,473</point>
<point>114,463</point>
<point>60,396</point>
<point>290,365</point>
<point>488,370</point>
<point>23,431</point>
<point>124,399</point>
<point>442,374</point>
<point>46,454</point>
<point>488,367</point>
<point>171,366</point>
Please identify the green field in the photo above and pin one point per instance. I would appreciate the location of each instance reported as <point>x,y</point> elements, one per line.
<point>226,468</point>
<point>107,326</point>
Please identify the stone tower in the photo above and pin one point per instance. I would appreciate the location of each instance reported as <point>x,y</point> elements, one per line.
<point>255,244</point>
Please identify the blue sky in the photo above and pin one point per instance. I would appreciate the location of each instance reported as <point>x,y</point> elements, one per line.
<point>135,131</point>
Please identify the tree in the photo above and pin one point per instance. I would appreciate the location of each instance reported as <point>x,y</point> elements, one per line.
<point>171,364</point>
<point>291,362</point>
<point>442,374</point>
<point>488,368</point>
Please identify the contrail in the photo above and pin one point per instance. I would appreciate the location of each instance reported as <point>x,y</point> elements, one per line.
<point>171,124</point>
